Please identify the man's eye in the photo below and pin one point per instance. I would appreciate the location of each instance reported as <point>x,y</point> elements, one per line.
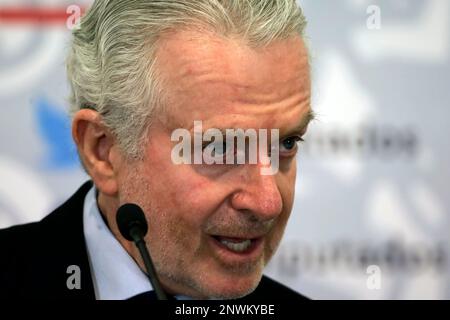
<point>217,149</point>
<point>289,144</point>
<point>220,149</point>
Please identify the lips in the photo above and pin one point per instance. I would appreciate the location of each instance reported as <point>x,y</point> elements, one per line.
<point>234,244</point>
<point>237,245</point>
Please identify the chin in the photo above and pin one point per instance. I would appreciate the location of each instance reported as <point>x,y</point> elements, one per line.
<point>232,287</point>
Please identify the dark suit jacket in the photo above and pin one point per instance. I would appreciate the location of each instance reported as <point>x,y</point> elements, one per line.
<point>35,257</point>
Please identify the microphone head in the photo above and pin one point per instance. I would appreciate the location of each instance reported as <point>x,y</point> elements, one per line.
<point>130,216</point>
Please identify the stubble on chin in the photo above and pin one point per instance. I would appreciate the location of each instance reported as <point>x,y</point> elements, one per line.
<point>169,243</point>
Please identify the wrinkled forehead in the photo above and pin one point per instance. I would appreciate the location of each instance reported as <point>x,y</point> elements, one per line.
<point>209,76</point>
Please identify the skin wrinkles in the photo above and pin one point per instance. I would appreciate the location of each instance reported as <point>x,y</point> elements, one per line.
<point>225,84</point>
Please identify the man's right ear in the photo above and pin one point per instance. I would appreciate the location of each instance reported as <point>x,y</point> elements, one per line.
<point>97,149</point>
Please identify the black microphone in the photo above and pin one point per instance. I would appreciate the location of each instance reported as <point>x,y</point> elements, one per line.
<point>133,227</point>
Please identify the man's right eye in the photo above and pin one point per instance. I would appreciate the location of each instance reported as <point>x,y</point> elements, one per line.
<point>216,149</point>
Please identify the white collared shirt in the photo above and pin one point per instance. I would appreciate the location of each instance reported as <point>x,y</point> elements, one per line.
<point>115,275</point>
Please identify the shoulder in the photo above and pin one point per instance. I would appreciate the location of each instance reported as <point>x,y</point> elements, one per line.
<point>13,237</point>
<point>17,239</point>
<point>35,256</point>
<point>20,244</point>
<point>49,228</point>
<point>269,289</point>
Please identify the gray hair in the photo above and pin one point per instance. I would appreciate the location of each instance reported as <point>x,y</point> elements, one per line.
<point>111,64</point>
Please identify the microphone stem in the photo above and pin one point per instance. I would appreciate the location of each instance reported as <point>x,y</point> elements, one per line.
<point>151,274</point>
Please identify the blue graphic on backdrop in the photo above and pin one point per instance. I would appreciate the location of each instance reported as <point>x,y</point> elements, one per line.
<point>55,129</point>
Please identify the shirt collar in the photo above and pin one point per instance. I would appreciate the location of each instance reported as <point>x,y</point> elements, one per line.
<point>115,275</point>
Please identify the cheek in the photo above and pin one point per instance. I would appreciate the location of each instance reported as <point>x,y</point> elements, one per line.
<point>286,185</point>
<point>191,197</point>
<point>181,206</point>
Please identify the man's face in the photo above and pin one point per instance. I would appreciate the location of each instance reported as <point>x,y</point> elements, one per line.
<point>202,216</point>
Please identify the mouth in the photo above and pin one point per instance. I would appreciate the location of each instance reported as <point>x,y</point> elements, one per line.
<point>237,247</point>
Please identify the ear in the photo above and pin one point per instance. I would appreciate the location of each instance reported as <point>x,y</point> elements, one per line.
<point>97,149</point>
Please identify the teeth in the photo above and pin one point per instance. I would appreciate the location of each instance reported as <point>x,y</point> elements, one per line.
<point>237,246</point>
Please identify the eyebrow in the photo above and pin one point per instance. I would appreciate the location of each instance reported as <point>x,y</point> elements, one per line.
<point>310,116</point>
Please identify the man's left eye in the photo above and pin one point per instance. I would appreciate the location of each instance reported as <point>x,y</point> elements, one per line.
<point>290,144</point>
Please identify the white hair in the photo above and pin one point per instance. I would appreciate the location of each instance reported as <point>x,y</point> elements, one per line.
<point>111,63</point>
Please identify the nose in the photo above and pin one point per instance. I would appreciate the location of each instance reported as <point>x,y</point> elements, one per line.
<point>257,194</point>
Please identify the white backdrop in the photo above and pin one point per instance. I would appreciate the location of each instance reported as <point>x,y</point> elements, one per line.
<point>373,183</point>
